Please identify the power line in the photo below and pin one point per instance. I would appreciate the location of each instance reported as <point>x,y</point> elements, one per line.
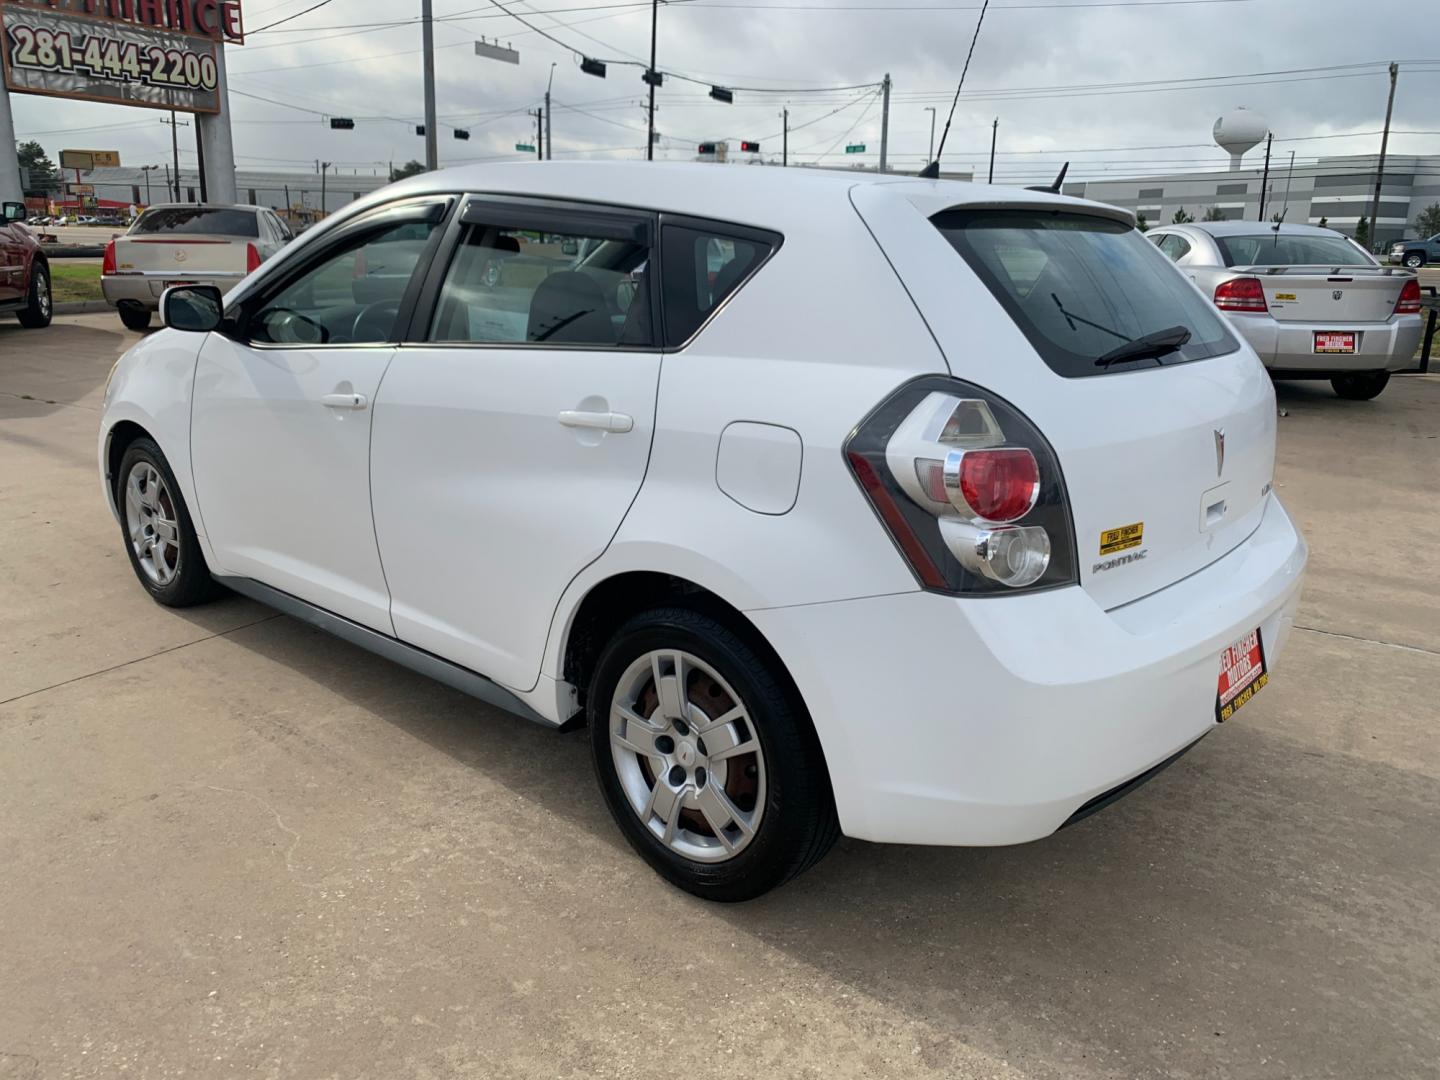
<point>288,18</point>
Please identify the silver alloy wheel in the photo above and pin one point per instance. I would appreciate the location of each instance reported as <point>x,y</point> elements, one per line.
<point>43,293</point>
<point>152,523</point>
<point>687,755</point>
<point>1415,261</point>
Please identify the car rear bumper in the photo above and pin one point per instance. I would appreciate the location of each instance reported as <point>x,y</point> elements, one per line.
<point>146,289</point>
<point>1290,346</point>
<point>994,721</point>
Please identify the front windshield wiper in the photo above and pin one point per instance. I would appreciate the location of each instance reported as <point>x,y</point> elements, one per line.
<point>1146,347</point>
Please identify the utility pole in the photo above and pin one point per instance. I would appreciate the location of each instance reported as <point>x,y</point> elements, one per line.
<point>885,122</point>
<point>1380,169</point>
<point>654,26</point>
<point>1288,177</point>
<point>785,141</point>
<point>539,115</point>
<point>427,39</point>
<point>324,165</point>
<point>994,132</point>
<point>200,163</point>
<point>147,170</point>
<point>168,187</point>
<point>175,151</point>
<point>930,154</point>
<point>549,115</point>
<point>1265,176</point>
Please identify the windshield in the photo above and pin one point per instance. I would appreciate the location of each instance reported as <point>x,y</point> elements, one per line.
<point>183,220</point>
<point>1079,287</point>
<point>1288,249</point>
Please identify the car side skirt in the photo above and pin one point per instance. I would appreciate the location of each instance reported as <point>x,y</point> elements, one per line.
<point>417,660</point>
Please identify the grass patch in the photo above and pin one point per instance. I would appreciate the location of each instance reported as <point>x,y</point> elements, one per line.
<point>81,282</point>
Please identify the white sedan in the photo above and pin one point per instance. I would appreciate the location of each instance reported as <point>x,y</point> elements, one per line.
<point>918,511</point>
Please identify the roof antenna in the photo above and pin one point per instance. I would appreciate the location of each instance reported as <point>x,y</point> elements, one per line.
<point>1276,225</point>
<point>932,171</point>
<point>1053,188</point>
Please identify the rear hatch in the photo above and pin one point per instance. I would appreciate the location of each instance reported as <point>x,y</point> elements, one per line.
<point>1167,459</point>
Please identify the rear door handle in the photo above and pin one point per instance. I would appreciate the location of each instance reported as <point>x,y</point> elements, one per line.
<point>617,423</point>
<point>344,401</point>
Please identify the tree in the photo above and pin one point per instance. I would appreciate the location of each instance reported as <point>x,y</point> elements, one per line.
<point>1213,213</point>
<point>1362,233</point>
<point>1141,223</point>
<point>1181,217</point>
<point>1427,223</point>
<point>410,168</point>
<point>44,177</point>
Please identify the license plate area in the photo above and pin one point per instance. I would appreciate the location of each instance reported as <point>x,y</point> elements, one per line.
<point>1242,675</point>
<point>1334,341</point>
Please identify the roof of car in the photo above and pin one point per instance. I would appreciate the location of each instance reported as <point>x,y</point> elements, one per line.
<point>1251,228</point>
<point>755,194</point>
<point>202,206</point>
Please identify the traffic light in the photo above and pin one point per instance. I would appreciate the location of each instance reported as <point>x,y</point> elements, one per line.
<point>419,129</point>
<point>592,67</point>
<point>341,123</point>
<point>719,93</point>
<point>653,78</point>
<point>750,147</point>
<point>461,133</point>
<point>706,148</point>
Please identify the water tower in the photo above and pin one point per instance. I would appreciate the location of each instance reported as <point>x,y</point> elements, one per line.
<point>1238,131</point>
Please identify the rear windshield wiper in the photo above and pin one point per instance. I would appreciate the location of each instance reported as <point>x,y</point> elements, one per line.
<point>1146,347</point>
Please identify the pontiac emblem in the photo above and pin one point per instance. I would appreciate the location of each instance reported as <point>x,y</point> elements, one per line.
<point>1219,451</point>
<point>1337,294</point>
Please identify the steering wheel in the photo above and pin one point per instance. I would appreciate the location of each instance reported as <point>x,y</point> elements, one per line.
<point>374,321</point>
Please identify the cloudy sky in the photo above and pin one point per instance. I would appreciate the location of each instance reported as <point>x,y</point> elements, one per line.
<point>1124,87</point>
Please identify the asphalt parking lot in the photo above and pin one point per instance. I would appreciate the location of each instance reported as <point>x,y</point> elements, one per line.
<point>232,846</point>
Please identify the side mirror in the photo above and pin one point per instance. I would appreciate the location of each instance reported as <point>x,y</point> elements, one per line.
<point>197,308</point>
<point>14,211</point>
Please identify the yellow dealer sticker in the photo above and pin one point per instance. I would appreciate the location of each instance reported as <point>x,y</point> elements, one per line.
<point>1284,296</point>
<point>1126,536</point>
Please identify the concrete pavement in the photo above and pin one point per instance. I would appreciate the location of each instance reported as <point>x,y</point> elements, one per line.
<point>234,846</point>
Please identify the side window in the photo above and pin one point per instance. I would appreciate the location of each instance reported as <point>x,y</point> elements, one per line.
<point>701,269</point>
<point>352,296</point>
<point>1177,247</point>
<point>520,286</point>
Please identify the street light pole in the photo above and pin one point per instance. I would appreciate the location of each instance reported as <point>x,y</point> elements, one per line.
<point>930,154</point>
<point>885,123</point>
<point>427,40</point>
<point>785,141</point>
<point>994,132</point>
<point>654,26</point>
<point>549,145</point>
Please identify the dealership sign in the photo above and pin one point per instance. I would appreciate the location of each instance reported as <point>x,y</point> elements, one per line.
<point>156,53</point>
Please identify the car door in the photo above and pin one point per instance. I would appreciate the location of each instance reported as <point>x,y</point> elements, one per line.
<point>280,429</point>
<point>12,263</point>
<point>513,428</point>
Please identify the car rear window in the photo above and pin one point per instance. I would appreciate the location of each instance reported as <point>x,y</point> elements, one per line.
<point>1080,286</point>
<point>181,220</point>
<point>1279,249</point>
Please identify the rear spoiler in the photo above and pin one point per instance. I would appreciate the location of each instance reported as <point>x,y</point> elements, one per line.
<point>1319,270</point>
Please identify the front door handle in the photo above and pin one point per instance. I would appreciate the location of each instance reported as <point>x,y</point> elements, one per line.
<point>614,422</point>
<point>344,401</point>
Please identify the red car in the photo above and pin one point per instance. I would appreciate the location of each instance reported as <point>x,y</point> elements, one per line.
<point>24,271</point>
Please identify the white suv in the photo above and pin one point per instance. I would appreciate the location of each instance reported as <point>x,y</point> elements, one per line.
<point>918,511</point>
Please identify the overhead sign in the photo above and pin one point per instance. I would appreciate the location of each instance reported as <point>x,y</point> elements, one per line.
<point>496,52</point>
<point>85,160</point>
<point>159,54</point>
<point>525,148</point>
<point>855,148</point>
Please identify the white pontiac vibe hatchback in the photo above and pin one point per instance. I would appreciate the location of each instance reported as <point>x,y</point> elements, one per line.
<point>919,511</point>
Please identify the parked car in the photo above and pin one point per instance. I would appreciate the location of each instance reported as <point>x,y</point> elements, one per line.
<point>185,243</point>
<point>931,514</point>
<point>1310,301</point>
<point>1416,253</point>
<point>25,289</point>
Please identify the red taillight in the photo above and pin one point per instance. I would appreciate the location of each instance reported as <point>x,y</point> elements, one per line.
<point>1241,294</point>
<point>252,259</point>
<point>1409,302</point>
<point>999,485</point>
<point>107,265</point>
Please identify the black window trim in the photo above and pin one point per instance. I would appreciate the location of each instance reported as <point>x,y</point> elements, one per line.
<point>519,211</point>
<point>421,208</point>
<point>727,229</point>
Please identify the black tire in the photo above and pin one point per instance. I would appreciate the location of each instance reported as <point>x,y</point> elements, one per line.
<point>134,316</point>
<point>798,824</point>
<point>40,305</point>
<point>1360,385</point>
<point>1415,260</point>
<point>192,583</point>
